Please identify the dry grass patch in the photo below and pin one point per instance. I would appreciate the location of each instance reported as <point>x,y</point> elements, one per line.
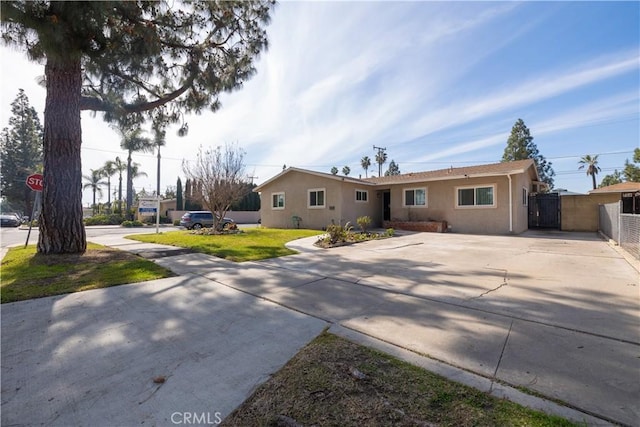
<point>334,382</point>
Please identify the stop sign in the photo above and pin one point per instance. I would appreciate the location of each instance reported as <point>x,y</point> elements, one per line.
<point>34,181</point>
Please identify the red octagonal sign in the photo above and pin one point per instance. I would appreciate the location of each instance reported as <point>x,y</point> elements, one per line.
<point>34,181</point>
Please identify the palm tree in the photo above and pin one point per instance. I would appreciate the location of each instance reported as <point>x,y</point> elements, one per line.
<point>94,183</point>
<point>592,166</point>
<point>132,140</point>
<point>159,141</point>
<point>108,170</point>
<point>365,162</point>
<point>120,167</point>
<point>136,173</point>
<point>381,159</point>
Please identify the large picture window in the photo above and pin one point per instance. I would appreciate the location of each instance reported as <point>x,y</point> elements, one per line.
<point>277,200</point>
<point>316,198</point>
<point>480,196</point>
<point>415,197</point>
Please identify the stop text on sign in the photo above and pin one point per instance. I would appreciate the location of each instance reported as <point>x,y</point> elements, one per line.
<point>35,181</point>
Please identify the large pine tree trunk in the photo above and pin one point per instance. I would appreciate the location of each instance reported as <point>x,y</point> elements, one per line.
<point>61,226</point>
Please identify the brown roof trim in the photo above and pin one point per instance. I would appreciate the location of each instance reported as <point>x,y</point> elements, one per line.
<point>320,174</point>
<point>487,170</point>
<point>494,169</point>
<point>622,187</point>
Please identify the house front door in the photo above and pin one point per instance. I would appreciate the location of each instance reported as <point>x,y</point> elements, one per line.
<point>386,206</point>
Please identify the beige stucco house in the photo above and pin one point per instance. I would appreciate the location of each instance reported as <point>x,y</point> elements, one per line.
<point>489,198</point>
<point>627,192</point>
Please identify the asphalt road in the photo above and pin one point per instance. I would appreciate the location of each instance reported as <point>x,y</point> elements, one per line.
<point>18,236</point>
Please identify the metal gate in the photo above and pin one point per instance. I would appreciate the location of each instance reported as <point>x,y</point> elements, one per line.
<point>544,211</point>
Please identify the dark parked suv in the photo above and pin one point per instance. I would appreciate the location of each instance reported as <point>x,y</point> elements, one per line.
<point>199,219</point>
<point>9,220</point>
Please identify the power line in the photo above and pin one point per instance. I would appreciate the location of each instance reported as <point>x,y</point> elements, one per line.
<point>379,157</point>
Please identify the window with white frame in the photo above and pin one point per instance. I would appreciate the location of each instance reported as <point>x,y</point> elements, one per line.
<point>316,198</point>
<point>362,196</point>
<point>415,197</point>
<point>478,196</point>
<point>525,197</point>
<point>277,200</point>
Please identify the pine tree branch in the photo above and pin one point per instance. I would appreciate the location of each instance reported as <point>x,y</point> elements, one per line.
<point>96,104</point>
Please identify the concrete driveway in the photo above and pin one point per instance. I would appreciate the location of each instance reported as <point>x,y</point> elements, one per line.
<point>557,313</point>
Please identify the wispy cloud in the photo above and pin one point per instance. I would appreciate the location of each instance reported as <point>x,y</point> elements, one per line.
<point>425,79</point>
<point>371,88</point>
<point>542,87</point>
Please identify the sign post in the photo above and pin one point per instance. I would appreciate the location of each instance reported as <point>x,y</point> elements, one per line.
<point>36,183</point>
<point>150,206</point>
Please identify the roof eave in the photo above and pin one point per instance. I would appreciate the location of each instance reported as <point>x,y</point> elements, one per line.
<point>305,171</point>
<point>453,177</point>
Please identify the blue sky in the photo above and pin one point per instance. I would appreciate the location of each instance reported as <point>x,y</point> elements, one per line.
<point>436,83</point>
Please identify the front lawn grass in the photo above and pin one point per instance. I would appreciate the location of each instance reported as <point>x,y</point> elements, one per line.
<point>334,382</point>
<point>27,274</point>
<point>251,244</point>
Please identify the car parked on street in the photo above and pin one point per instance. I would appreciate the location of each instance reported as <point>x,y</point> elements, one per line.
<point>198,219</point>
<point>9,220</point>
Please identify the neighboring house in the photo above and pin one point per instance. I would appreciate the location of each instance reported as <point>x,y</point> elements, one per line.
<point>564,192</point>
<point>476,199</point>
<point>628,192</point>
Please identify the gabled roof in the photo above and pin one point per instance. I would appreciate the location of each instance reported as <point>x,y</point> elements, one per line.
<point>623,187</point>
<point>320,174</point>
<point>494,169</point>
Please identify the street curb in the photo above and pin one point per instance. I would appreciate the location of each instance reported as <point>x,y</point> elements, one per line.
<point>470,379</point>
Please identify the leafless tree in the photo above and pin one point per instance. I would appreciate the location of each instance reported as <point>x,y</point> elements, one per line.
<point>220,178</point>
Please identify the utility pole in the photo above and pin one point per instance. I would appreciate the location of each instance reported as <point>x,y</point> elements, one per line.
<point>379,156</point>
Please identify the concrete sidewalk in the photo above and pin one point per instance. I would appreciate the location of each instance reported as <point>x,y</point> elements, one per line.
<point>481,307</point>
<point>175,351</point>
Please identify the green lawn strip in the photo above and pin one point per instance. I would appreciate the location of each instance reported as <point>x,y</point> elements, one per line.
<point>250,245</point>
<point>318,387</point>
<point>26,274</point>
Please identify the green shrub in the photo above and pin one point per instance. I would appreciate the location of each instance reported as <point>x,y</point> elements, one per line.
<point>364,222</point>
<point>152,220</point>
<point>336,233</point>
<point>204,231</point>
<point>113,219</point>
<point>176,222</point>
<point>135,223</point>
